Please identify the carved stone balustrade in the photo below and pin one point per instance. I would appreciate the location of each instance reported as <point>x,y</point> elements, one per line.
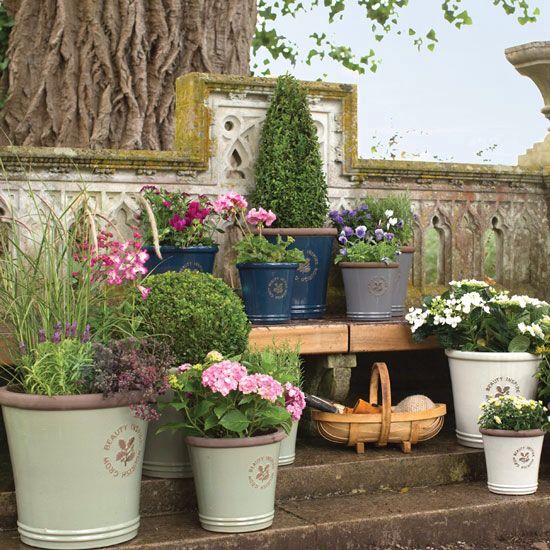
<point>460,207</point>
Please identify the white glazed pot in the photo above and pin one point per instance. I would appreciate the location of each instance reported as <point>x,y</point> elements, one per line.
<point>513,460</point>
<point>477,376</point>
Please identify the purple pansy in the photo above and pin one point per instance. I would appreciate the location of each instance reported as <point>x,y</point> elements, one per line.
<point>347,231</point>
<point>361,231</point>
<point>379,234</point>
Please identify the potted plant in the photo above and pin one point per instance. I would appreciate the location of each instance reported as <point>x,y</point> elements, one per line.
<point>367,259</point>
<point>81,378</point>
<point>513,429</point>
<point>290,181</point>
<point>489,337</point>
<point>284,364</point>
<point>190,312</point>
<point>234,422</point>
<point>266,269</point>
<point>183,226</point>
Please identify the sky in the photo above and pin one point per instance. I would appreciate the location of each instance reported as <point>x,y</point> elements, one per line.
<point>463,102</point>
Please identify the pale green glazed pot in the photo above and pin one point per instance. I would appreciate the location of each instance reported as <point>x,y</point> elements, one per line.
<point>166,453</point>
<point>287,453</point>
<point>77,468</point>
<point>235,481</point>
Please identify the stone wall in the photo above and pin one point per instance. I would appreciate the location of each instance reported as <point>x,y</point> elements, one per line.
<point>218,125</point>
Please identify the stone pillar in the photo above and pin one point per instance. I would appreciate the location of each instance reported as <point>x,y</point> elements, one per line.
<point>533,60</point>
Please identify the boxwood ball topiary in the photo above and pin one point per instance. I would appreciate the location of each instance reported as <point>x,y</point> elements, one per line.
<point>198,312</point>
<point>289,169</point>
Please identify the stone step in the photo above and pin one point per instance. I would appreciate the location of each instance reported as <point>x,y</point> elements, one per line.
<point>321,469</point>
<point>416,518</point>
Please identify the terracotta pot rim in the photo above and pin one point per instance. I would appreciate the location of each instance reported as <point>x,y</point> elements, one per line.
<point>237,442</point>
<point>511,433</point>
<point>368,265</point>
<point>300,231</point>
<point>269,265</point>
<point>407,249</point>
<point>491,356</point>
<point>17,400</point>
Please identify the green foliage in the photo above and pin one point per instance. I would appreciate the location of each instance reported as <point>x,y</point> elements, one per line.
<point>368,251</point>
<point>196,313</point>
<point>381,19</point>
<point>511,412</point>
<point>57,368</point>
<point>289,170</point>
<point>543,373</point>
<point>256,248</point>
<point>474,316</point>
<point>278,360</point>
<point>230,405</point>
<point>400,207</point>
<point>6,23</point>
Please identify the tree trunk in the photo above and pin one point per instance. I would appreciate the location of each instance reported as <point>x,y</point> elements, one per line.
<point>101,73</point>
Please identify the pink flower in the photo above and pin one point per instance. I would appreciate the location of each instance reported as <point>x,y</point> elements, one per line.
<point>260,216</point>
<point>184,368</point>
<point>223,377</point>
<point>144,291</point>
<point>167,204</point>
<point>263,385</point>
<point>295,401</point>
<point>228,202</point>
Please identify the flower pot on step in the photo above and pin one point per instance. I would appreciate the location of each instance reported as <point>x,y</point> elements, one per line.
<point>287,454</point>
<point>513,460</point>
<point>195,258</point>
<point>401,281</point>
<point>235,481</point>
<point>368,287</point>
<point>478,376</point>
<point>267,291</point>
<point>166,453</point>
<point>309,296</point>
<point>77,468</point>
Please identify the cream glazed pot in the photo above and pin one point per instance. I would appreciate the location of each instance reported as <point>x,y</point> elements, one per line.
<point>478,376</point>
<point>513,460</point>
<point>77,467</point>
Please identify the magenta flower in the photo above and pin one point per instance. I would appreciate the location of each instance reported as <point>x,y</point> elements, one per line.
<point>260,216</point>
<point>178,223</point>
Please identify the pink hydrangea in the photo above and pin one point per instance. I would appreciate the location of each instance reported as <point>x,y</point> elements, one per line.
<point>260,216</point>
<point>184,368</point>
<point>144,291</point>
<point>263,385</point>
<point>295,401</point>
<point>231,201</point>
<point>223,377</point>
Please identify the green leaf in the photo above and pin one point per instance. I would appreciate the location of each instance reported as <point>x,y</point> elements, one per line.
<point>235,421</point>
<point>210,422</point>
<point>520,343</point>
<point>203,408</point>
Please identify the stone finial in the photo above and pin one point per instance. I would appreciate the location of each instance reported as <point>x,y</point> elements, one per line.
<point>533,60</point>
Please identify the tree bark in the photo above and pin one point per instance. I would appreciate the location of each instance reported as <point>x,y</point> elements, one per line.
<point>101,73</point>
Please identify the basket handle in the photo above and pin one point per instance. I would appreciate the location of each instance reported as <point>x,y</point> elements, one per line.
<point>380,374</point>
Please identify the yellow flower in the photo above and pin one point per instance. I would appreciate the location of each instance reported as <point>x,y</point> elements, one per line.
<point>497,419</point>
<point>174,382</point>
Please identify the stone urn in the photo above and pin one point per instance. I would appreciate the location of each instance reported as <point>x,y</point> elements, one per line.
<point>533,60</point>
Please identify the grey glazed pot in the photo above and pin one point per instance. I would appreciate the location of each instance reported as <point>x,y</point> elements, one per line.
<point>235,481</point>
<point>401,281</point>
<point>368,287</point>
<point>77,468</point>
<point>166,453</point>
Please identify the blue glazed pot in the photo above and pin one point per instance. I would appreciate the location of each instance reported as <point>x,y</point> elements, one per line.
<point>309,298</point>
<point>267,291</point>
<point>195,258</point>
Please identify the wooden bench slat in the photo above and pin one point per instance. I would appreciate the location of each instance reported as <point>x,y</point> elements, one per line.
<point>385,337</point>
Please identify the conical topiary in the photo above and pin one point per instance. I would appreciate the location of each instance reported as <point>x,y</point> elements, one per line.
<point>289,170</point>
